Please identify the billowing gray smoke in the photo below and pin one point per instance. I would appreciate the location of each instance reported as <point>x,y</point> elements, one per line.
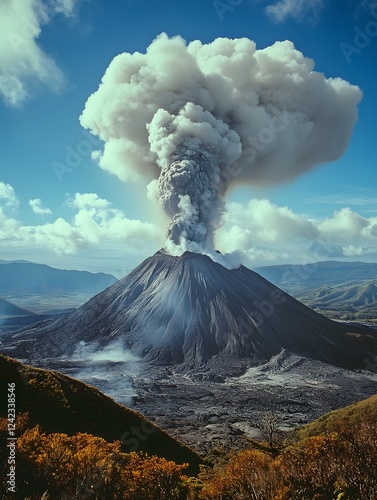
<point>192,148</point>
<point>194,119</point>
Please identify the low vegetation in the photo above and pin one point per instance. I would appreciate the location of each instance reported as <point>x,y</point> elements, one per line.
<point>61,404</point>
<point>349,417</point>
<point>57,466</point>
<point>341,464</point>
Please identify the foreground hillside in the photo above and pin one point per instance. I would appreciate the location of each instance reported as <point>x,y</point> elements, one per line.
<point>352,415</point>
<point>58,403</point>
<point>65,449</point>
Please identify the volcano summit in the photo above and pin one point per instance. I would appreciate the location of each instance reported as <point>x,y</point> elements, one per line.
<point>194,313</point>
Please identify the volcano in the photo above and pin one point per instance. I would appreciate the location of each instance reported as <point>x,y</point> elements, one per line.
<point>194,313</point>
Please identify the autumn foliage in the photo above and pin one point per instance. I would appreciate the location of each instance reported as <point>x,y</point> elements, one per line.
<point>338,465</point>
<point>246,475</point>
<point>84,466</point>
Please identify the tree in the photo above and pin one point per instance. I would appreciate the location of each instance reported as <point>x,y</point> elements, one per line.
<point>268,426</point>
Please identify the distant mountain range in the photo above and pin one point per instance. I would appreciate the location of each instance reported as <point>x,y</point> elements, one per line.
<point>297,278</point>
<point>339,290</point>
<point>21,277</point>
<point>346,302</point>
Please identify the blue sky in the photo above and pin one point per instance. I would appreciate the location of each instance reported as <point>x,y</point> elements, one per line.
<point>86,218</point>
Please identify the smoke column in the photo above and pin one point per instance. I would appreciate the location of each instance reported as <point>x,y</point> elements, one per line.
<point>194,119</point>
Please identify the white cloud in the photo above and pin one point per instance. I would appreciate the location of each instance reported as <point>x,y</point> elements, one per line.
<point>263,231</point>
<point>94,223</point>
<point>345,225</point>
<point>36,206</point>
<point>264,222</point>
<point>59,236</point>
<point>254,233</point>
<point>298,9</point>
<point>8,227</point>
<point>65,7</point>
<point>8,197</point>
<point>22,60</point>
<point>8,205</point>
<point>89,200</point>
<point>357,251</point>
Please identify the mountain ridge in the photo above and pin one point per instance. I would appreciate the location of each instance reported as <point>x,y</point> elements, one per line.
<point>296,277</point>
<point>357,302</point>
<point>30,278</point>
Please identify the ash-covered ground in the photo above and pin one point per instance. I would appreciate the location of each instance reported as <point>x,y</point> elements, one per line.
<point>205,409</point>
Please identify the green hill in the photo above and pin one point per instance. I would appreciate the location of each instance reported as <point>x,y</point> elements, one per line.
<point>59,403</point>
<point>357,302</point>
<point>365,410</point>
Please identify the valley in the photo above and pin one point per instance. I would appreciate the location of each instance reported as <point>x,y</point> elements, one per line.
<point>205,410</point>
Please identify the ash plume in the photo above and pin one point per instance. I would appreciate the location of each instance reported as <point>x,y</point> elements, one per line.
<point>194,119</point>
